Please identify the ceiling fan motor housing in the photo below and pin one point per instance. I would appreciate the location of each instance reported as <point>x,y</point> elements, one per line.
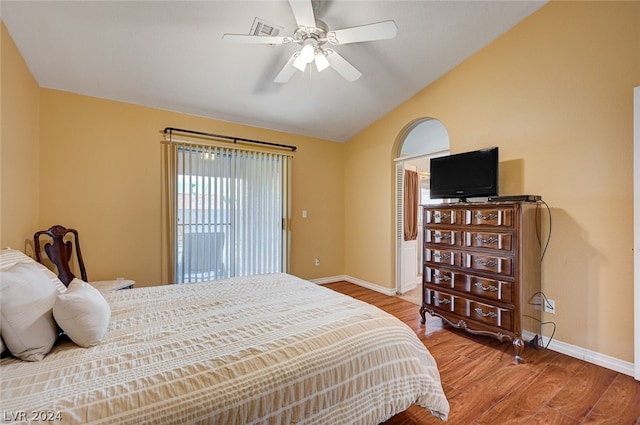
<point>317,34</point>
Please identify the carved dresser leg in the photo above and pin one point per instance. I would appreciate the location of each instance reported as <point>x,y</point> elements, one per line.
<point>423,311</point>
<point>518,345</point>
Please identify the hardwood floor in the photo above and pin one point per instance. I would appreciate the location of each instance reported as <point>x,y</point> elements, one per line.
<point>484,384</point>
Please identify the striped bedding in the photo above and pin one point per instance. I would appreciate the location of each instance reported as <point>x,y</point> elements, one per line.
<point>268,349</point>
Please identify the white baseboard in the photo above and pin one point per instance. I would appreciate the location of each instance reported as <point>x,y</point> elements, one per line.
<point>372,286</point>
<point>330,279</point>
<point>355,281</point>
<point>589,356</point>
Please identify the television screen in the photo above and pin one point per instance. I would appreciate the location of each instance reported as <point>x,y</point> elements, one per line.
<point>465,175</point>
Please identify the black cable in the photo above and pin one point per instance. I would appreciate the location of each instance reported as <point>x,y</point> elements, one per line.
<point>546,301</point>
<point>548,304</point>
<point>544,251</point>
<point>552,333</point>
<point>542,324</point>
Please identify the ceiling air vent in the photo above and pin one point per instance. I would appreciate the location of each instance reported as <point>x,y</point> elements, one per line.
<point>262,27</point>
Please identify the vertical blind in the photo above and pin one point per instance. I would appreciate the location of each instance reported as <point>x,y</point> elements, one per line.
<point>230,212</point>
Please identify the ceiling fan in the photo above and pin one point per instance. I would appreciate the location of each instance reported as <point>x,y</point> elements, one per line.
<point>312,35</point>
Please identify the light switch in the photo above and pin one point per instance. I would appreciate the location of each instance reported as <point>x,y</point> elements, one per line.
<point>304,213</point>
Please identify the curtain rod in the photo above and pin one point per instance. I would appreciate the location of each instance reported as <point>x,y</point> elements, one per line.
<point>170,130</point>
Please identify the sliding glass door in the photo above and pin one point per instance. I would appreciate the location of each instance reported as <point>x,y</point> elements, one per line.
<point>231,212</point>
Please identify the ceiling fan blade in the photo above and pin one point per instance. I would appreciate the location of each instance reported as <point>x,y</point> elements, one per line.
<point>255,39</point>
<point>303,12</point>
<point>370,32</point>
<point>287,70</point>
<point>342,67</point>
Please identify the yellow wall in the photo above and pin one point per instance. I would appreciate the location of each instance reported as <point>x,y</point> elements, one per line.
<point>101,174</point>
<point>94,165</point>
<point>18,147</point>
<point>556,95</point>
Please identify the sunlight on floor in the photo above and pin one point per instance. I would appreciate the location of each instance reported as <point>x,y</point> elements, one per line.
<point>414,295</point>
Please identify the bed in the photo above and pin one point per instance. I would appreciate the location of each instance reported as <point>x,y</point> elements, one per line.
<point>266,349</point>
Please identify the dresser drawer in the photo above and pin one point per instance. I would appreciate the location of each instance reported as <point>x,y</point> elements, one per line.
<point>491,315</point>
<point>493,240</point>
<point>489,288</point>
<point>489,217</point>
<point>446,302</point>
<point>442,216</point>
<point>439,277</point>
<point>443,237</point>
<point>490,263</point>
<point>443,256</point>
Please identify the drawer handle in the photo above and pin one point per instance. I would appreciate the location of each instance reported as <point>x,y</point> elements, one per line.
<point>442,277</point>
<point>490,314</point>
<point>491,239</point>
<point>442,256</point>
<point>443,300</point>
<point>490,288</point>
<point>442,215</point>
<point>444,236</point>
<point>491,216</point>
<point>489,263</point>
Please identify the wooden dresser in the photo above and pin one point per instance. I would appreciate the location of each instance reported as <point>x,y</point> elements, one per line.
<point>482,268</point>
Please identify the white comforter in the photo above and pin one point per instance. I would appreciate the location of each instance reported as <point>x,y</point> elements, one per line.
<point>270,349</point>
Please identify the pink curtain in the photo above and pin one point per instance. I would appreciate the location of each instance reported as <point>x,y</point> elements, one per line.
<point>410,205</point>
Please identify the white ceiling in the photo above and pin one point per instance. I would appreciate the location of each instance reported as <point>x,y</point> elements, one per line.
<point>170,55</point>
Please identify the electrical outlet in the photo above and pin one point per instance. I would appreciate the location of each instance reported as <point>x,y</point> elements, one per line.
<point>317,261</point>
<point>537,302</point>
<point>550,306</point>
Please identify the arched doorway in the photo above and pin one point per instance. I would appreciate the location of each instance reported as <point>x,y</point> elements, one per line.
<point>422,140</point>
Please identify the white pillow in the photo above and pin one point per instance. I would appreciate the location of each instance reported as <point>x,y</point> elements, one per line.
<point>82,313</point>
<point>10,257</point>
<point>26,299</point>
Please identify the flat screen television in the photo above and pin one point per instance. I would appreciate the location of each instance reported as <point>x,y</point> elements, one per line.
<point>465,175</point>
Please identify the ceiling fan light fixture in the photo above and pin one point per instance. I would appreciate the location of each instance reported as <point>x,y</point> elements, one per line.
<point>307,54</point>
<point>322,62</point>
<point>300,64</point>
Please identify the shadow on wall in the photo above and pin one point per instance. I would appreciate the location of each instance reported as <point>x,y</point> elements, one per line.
<point>570,275</point>
<point>511,177</point>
